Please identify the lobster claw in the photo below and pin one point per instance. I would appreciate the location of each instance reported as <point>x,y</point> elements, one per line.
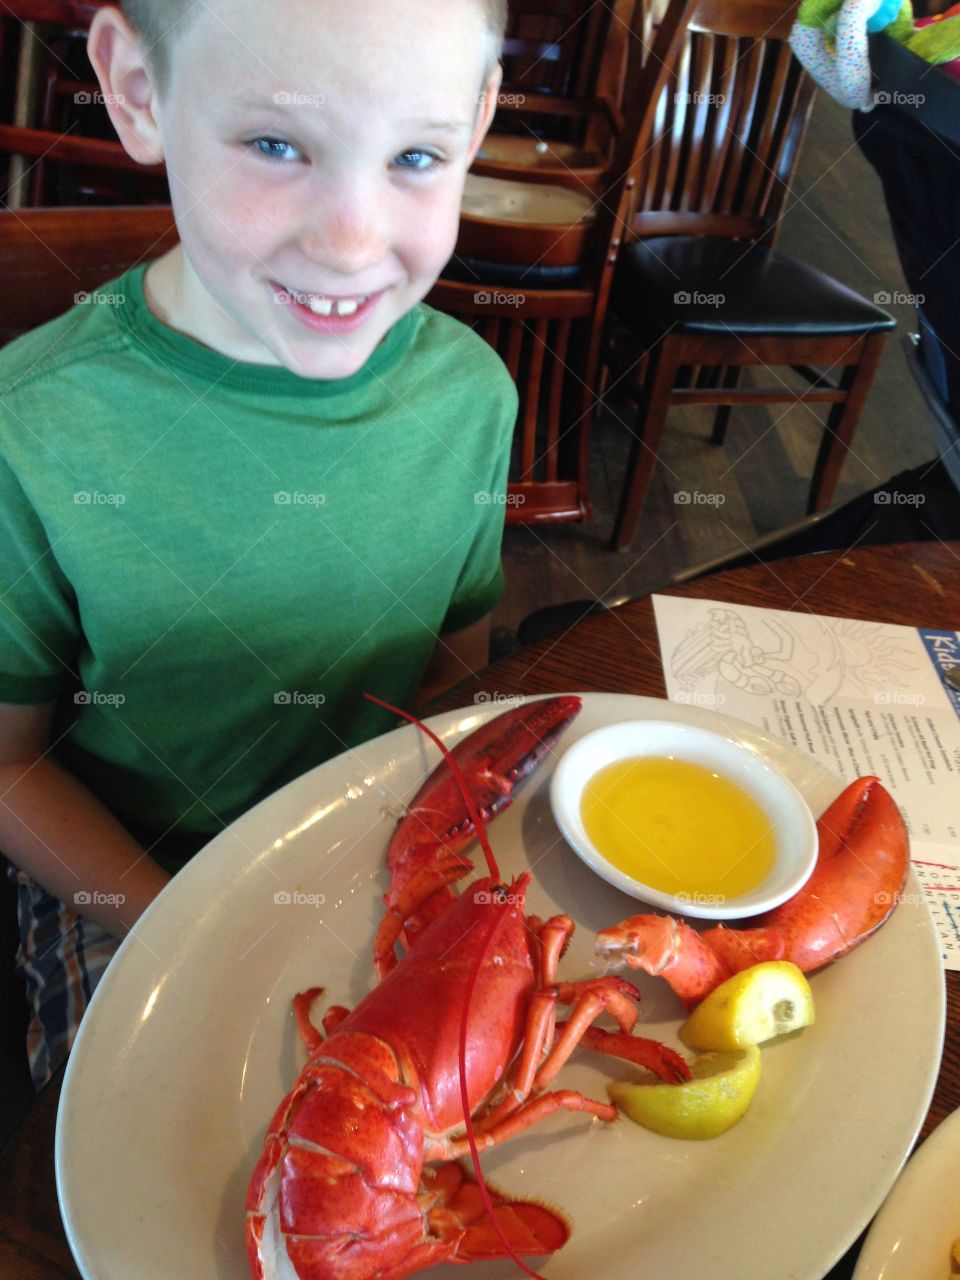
<point>861,869</point>
<point>423,854</point>
<point>495,759</point>
<point>862,864</point>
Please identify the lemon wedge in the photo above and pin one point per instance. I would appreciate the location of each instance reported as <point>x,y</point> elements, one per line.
<point>764,1001</point>
<point>716,1097</point>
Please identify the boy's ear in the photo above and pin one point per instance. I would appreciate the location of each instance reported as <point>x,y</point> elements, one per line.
<point>129,92</point>
<point>488,108</point>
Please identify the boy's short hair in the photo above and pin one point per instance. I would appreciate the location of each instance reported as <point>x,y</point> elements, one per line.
<point>155,22</point>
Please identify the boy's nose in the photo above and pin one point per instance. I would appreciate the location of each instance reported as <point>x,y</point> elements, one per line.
<point>346,242</point>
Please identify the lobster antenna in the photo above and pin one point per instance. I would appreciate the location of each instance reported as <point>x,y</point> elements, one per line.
<point>468,1120</point>
<point>461,782</point>
<point>481,956</point>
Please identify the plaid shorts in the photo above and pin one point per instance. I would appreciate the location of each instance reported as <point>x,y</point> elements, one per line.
<point>60,960</point>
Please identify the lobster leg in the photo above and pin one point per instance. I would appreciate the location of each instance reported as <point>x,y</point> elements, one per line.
<point>460,1214</point>
<point>518,1110</point>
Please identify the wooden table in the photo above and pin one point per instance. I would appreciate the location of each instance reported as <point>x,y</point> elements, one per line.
<point>916,585</point>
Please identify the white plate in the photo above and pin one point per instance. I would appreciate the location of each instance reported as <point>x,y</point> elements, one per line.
<point>920,1218</point>
<point>189,1045</point>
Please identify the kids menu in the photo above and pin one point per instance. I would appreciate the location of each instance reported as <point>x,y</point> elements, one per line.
<point>862,697</point>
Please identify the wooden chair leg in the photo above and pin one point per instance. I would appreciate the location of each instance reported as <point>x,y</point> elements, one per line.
<point>730,380</point>
<point>661,377</point>
<point>842,423</point>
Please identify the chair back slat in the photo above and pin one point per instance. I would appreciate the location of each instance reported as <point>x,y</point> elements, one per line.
<point>559,344</point>
<point>536,340</point>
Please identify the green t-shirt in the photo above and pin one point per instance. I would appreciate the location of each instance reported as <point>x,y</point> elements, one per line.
<point>206,561</point>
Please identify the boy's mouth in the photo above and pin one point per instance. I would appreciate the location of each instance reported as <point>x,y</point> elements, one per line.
<point>322,304</point>
<point>322,311</point>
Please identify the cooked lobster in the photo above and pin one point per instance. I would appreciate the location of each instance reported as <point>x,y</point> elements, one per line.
<point>343,1187</point>
<point>457,1047</point>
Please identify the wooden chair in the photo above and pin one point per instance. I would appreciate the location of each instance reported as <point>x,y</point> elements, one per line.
<point>57,138</point>
<point>537,291</point>
<point>527,286</point>
<point>701,286</point>
<point>48,256</point>
<point>565,68</point>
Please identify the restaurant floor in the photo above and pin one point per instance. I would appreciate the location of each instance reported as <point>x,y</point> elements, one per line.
<point>756,482</point>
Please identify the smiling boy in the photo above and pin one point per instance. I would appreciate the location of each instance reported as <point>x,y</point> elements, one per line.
<point>258,476</point>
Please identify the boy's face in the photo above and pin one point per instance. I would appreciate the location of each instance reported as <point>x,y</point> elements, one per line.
<point>316,153</point>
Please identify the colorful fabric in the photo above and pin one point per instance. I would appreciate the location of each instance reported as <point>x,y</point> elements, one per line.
<point>830,39</point>
<point>831,43</point>
<point>60,960</point>
<point>207,561</point>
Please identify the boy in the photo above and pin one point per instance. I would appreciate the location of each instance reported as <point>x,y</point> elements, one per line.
<point>255,479</point>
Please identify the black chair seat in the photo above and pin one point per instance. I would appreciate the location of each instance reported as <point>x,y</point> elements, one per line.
<point>474,270</point>
<point>710,284</point>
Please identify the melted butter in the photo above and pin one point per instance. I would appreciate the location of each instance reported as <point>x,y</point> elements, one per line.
<point>678,827</point>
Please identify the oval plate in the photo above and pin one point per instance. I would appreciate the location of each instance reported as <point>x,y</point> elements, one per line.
<point>189,1045</point>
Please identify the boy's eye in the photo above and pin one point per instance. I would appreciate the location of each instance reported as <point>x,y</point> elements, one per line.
<point>418,161</point>
<point>276,149</point>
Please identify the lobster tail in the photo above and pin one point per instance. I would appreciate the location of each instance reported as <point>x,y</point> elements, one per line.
<point>328,1193</point>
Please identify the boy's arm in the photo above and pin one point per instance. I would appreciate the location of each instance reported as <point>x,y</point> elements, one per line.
<point>457,654</point>
<point>55,829</point>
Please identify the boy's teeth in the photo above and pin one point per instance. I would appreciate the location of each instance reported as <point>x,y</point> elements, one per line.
<point>325,306</point>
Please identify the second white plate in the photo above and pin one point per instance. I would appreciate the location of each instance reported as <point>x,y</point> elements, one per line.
<point>920,1219</point>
